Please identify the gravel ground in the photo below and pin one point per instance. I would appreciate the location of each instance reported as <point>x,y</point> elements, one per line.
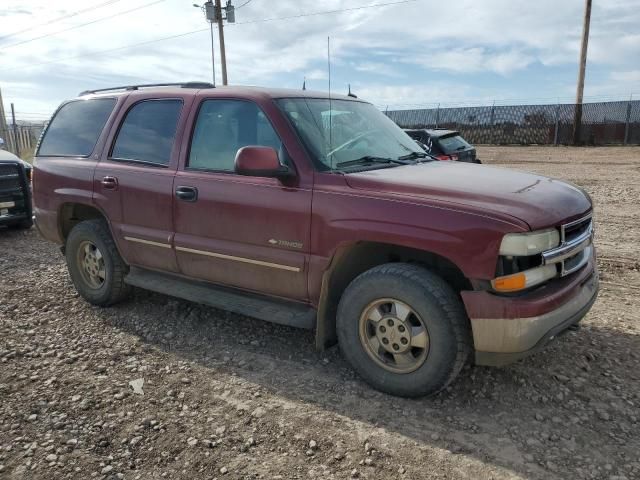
<point>228,397</point>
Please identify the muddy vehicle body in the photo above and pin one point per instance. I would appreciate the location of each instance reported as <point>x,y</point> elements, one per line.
<point>316,212</point>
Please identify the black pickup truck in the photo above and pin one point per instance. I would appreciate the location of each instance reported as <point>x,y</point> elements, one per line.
<point>445,144</point>
<point>15,192</point>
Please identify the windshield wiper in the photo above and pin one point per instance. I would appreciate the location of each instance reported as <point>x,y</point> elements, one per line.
<point>370,159</point>
<point>414,156</point>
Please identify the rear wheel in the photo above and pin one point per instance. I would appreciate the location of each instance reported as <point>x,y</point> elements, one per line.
<point>94,264</point>
<point>403,329</point>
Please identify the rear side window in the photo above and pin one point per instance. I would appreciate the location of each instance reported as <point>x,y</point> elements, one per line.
<point>76,127</point>
<point>147,132</point>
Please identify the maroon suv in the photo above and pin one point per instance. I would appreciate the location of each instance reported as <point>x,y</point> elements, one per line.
<point>316,212</point>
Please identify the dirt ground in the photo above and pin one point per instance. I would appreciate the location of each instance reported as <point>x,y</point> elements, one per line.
<point>229,397</point>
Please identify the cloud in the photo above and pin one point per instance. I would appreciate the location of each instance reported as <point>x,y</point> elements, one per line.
<point>414,95</point>
<point>470,60</point>
<point>12,12</point>
<point>376,68</point>
<point>419,50</point>
<point>630,76</point>
<point>626,82</point>
<point>317,75</point>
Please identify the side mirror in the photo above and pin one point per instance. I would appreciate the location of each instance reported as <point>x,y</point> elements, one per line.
<point>260,162</point>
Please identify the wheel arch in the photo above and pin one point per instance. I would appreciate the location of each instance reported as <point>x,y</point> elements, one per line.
<point>72,213</point>
<point>349,261</point>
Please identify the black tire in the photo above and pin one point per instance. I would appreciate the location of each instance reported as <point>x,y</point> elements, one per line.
<point>113,289</point>
<point>443,315</point>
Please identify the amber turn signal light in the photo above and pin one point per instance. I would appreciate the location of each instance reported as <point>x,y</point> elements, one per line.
<point>510,283</point>
<point>525,279</point>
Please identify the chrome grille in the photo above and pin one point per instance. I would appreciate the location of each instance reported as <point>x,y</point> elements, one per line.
<point>573,230</point>
<point>573,253</point>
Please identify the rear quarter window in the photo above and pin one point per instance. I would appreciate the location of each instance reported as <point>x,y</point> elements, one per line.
<point>75,128</point>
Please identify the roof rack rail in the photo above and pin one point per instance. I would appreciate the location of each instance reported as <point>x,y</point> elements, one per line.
<point>149,85</point>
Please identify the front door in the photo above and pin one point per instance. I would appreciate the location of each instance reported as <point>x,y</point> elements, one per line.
<point>246,232</point>
<point>136,176</point>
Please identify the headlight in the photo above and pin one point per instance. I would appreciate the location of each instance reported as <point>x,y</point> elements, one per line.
<point>525,244</point>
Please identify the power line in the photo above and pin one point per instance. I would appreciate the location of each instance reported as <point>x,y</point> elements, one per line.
<point>170,37</point>
<point>49,22</point>
<point>102,52</point>
<point>33,119</point>
<point>101,19</point>
<point>29,117</point>
<point>326,12</point>
<point>34,114</point>
<point>245,3</point>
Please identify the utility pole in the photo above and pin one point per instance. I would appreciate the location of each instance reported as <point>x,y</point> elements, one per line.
<point>209,14</point>
<point>213,56</point>
<point>577,118</point>
<point>223,53</point>
<point>213,13</point>
<point>15,131</point>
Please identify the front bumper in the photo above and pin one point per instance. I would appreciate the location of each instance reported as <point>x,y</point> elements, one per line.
<point>10,219</point>
<point>506,329</point>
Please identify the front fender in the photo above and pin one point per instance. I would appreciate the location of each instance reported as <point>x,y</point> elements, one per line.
<point>471,244</point>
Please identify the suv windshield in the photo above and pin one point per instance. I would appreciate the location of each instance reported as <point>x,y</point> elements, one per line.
<point>341,133</point>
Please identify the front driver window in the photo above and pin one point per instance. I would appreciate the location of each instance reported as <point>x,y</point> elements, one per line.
<point>225,126</point>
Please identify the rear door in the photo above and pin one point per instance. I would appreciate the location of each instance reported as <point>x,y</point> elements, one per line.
<point>134,180</point>
<point>66,159</point>
<point>246,232</point>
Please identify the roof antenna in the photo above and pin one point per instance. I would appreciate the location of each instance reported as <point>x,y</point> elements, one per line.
<point>351,94</point>
<point>330,111</point>
<point>304,83</point>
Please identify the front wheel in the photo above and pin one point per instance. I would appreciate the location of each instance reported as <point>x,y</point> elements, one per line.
<point>94,264</point>
<point>403,329</point>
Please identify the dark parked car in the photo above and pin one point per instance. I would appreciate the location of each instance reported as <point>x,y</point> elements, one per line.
<point>445,144</point>
<point>15,191</point>
<point>259,202</point>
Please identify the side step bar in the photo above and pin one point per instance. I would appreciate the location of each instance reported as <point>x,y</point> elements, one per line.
<point>224,298</point>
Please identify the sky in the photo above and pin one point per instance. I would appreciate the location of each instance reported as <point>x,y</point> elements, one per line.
<point>406,55</point>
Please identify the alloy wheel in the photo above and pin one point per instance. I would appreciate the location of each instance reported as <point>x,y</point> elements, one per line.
<point>394,335</point>
<point>91,264</point>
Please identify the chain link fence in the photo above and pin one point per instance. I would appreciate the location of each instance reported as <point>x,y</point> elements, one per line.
<point>22,139</point>
<point>603,123</point>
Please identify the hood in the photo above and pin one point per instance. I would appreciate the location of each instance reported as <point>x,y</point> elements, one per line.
<point>539,201</point>
<point>8,156</point>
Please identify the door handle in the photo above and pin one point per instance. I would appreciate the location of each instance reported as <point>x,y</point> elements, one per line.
<point>188,194</point>
<point>110,183</point>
